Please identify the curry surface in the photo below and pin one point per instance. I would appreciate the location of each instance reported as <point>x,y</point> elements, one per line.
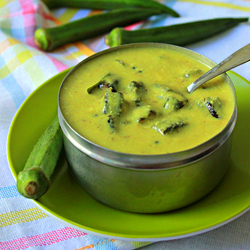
<point>132,131</point>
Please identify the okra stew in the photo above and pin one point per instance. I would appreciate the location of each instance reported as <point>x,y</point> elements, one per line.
<point>135,100</point>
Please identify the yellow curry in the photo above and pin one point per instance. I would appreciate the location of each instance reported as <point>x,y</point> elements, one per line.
<point>135,100</point>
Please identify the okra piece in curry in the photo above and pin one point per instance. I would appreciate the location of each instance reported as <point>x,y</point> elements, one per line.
<point>104,83</point>
<point>212,104</point>
<point>168,125</point>
<point>136,89</point>
<point>113,106</point>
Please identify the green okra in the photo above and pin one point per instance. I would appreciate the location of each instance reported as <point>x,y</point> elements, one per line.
<point>162,91</point>
<point>110,5</point>
<point>174,101</point>
<point>143,112</point>
<point>167,126</point>
<point>113,106</point>
<point>113,103</point>
<point>34,180</point>
<point>136,89</point>
<point>49,39</point>
<point>212,104</point>
<point>173,104</point>
<point>106,82</point>
<point>193,72</point>
<point>178,34</point>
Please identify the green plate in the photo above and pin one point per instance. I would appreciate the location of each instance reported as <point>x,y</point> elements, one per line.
<point>70,204</point>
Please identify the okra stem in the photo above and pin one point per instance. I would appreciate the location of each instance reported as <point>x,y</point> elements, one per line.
<point>110,5</point>
<point>178,34</point>
<point>49,39</point>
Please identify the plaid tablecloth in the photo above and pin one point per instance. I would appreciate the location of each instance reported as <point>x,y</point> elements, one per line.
<point>23,67</point>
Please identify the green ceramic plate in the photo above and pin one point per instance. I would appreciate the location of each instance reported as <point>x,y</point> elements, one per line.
<point>69,203</point>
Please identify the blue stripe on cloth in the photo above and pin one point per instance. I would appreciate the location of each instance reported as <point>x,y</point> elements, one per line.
<point>8,192</point>
<point>160,20</point>
<point>106,244</point>
<point>170,3</point>
<point>100,243</point>
<point>10,84</point>
<point>93,239</point>
<point>19,34</point>
<point>2,62</point>
<point>79,14</point>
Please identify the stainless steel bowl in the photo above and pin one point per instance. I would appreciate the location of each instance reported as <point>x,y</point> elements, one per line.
<point>148,183</point>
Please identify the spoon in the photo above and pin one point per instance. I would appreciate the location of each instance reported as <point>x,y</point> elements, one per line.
<point>237,58</point>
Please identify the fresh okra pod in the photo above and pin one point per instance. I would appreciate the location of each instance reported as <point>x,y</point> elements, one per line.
<point>179,34</point>
<point>49,39</point>
<point>34,180</point>
<point>110,5</point>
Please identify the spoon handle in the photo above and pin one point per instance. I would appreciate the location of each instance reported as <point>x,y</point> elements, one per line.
<point>237,58</point>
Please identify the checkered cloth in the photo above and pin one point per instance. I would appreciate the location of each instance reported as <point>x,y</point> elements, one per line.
<point>23,67</point>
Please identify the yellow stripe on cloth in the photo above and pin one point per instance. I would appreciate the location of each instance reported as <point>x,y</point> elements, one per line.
<point>2,3</point>
<point>24,56</point>
<point>137,244</point>
<point>219,4</point>
<point>7,43</point>
<point>21,216</point>
<point>84,49</point>
<point>15,63</point>
<point>68,15</point>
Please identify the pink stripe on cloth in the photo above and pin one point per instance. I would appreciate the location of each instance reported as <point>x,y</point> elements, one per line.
<point>45,15</point>
<point>59,65</point>
<point>42,239</point>
<point>28,10</point>
<point>130,27</point>
<point>27,6</point>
